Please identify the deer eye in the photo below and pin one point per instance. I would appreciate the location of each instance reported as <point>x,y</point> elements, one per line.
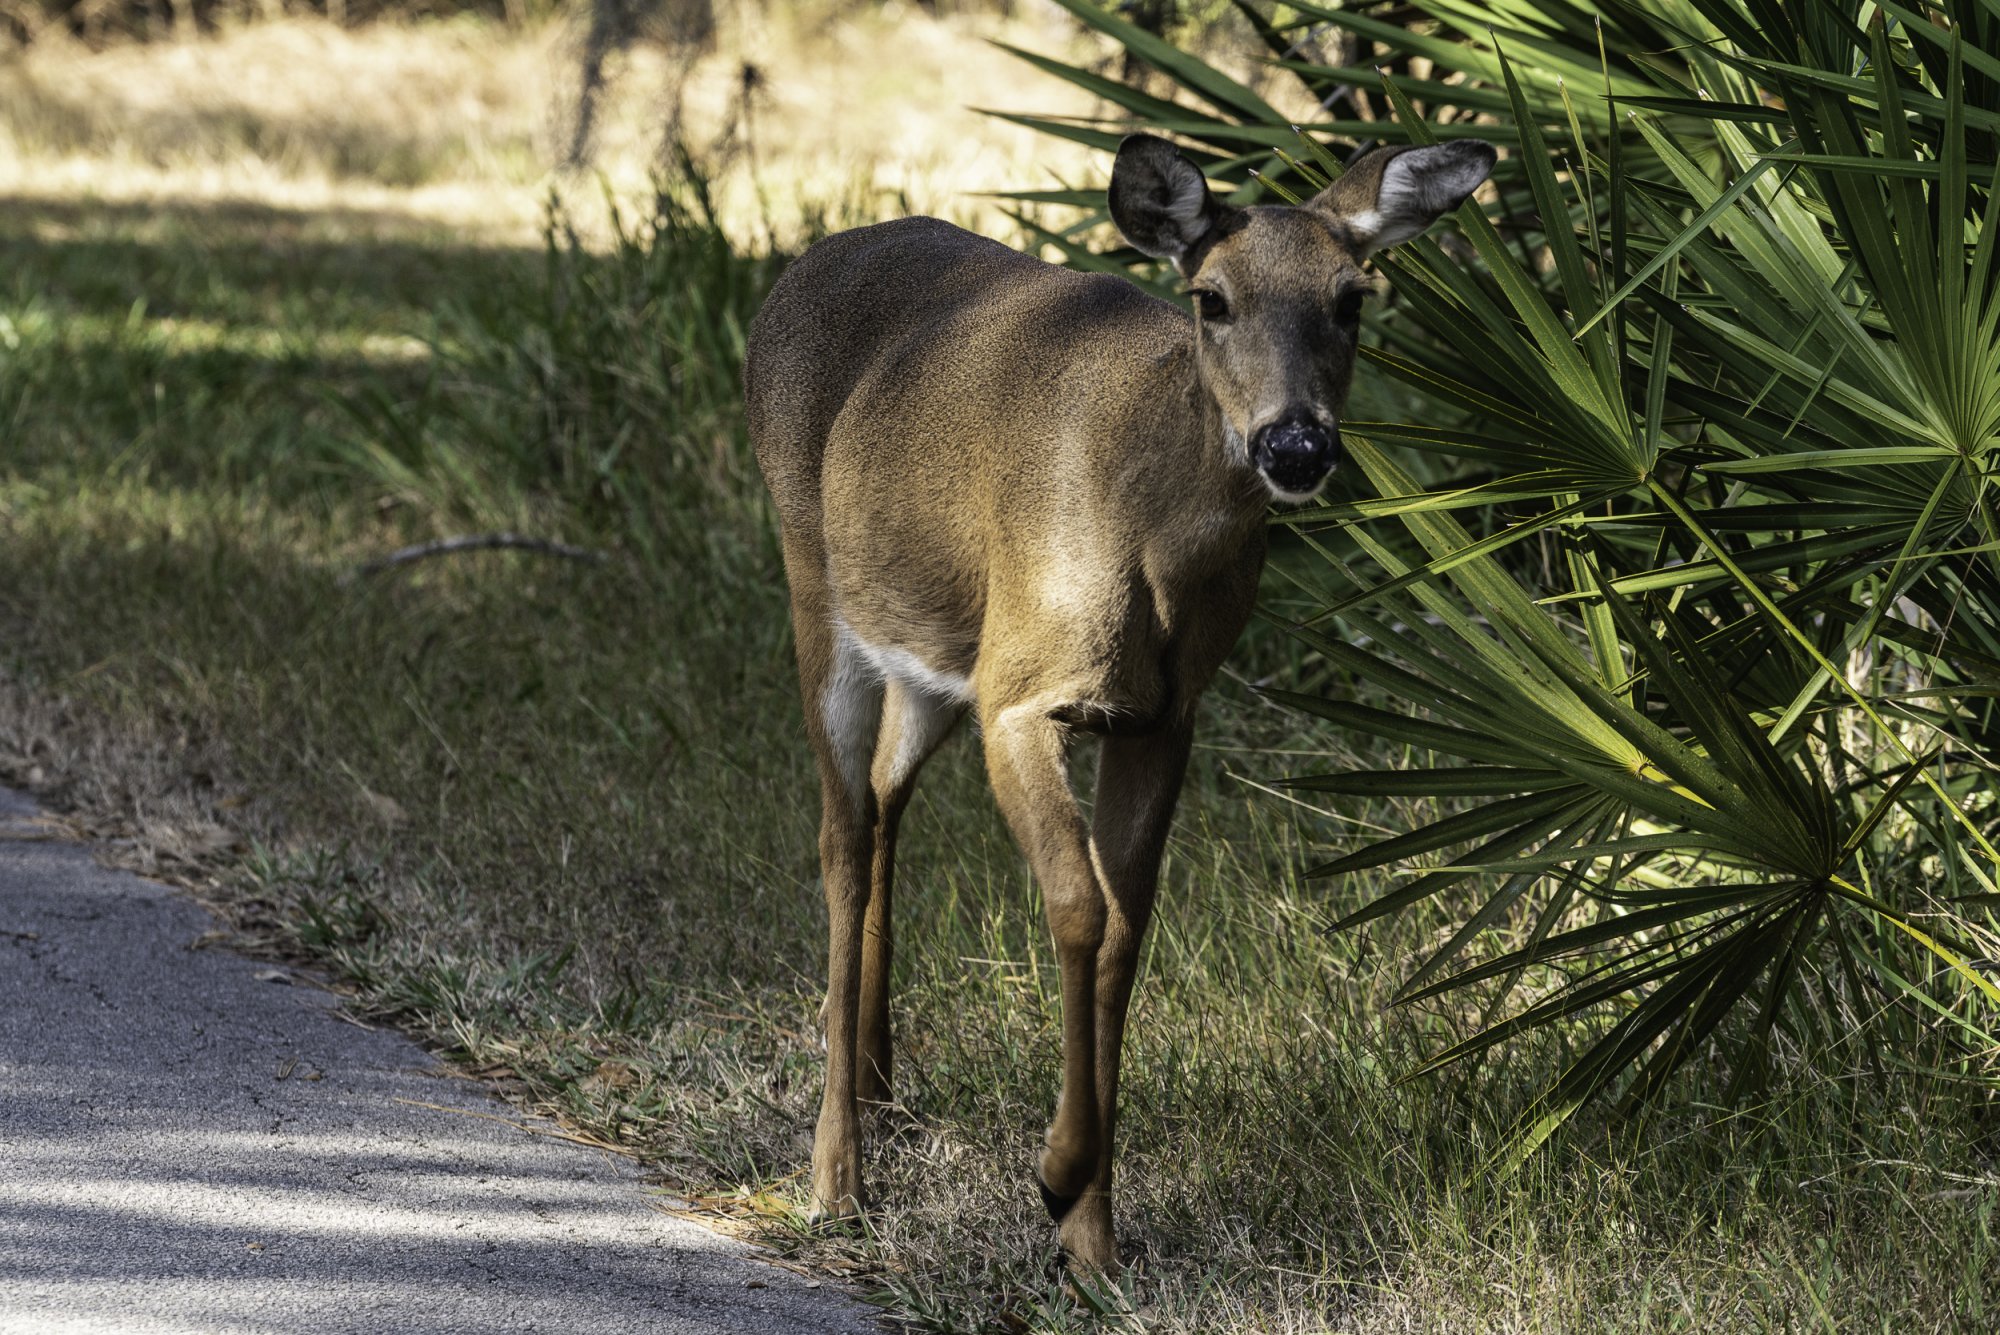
<point>1348,309</point>
<point>1214,310</point>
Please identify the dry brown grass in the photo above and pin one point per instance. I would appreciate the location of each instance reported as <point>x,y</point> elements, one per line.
<point>463,123</point>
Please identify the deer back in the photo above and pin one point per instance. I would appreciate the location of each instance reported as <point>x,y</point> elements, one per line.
<point>960,423</point>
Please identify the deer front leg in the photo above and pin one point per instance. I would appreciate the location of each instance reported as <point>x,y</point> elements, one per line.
<point>1026,762</point>
<point>1138,782</point>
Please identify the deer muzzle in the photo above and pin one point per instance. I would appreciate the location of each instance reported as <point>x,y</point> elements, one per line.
<point>1296,453</point>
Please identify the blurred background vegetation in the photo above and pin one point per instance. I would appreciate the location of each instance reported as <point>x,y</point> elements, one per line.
<point>1621,727</point>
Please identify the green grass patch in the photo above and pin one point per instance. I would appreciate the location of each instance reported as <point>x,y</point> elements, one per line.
<point>560,817</point>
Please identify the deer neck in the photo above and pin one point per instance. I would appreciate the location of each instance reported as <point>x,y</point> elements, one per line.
<point>1207,506</point>
<point>1223,478</point>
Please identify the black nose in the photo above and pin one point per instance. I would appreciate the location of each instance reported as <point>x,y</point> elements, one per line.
<point>1295,452</point>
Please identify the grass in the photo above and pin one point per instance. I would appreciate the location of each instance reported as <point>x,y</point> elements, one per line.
<point>459,120</point>
<point>557,817</point>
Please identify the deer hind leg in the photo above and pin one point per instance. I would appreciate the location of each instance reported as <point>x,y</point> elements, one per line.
<point>915,720</point>
<point>843,699</point>
<point>1025,758</point>
<point>1138,782</point>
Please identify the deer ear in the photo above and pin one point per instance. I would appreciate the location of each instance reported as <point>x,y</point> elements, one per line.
<point>1393,194</point>
<point>1160,201</point>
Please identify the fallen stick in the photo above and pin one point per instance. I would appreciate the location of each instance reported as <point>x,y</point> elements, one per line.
<point>474,542</point>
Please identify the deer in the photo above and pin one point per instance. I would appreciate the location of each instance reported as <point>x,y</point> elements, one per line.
<point>1039,496</point>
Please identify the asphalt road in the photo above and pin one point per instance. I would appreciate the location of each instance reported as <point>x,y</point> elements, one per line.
<point>185,1147</point>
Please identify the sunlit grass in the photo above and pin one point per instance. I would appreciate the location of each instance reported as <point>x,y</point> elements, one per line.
<point>463,122</point>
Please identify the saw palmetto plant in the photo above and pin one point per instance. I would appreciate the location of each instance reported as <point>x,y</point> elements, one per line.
<point>1681,593</point>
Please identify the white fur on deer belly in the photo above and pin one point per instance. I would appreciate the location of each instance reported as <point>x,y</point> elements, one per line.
<point>907,670</point>
<point>851,704</point>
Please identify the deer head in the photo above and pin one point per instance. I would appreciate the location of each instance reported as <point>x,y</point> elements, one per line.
<point>1278,290</point>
